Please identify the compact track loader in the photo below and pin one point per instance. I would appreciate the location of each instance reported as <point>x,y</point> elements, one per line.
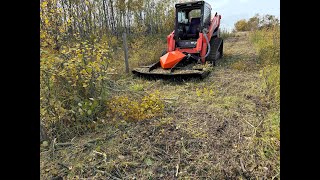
<point>193,47</point>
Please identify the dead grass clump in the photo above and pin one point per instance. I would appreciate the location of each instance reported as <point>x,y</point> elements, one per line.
<point>239,65</point>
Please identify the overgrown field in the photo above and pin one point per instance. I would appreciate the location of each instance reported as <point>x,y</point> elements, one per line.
<point>106,124</point>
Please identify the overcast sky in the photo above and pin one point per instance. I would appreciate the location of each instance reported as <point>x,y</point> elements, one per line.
<point>233,10</point>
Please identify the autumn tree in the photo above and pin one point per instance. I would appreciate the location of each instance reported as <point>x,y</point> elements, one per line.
<point>241,25</point>
<point>257,22</point>
<point>253,22</point>
<point>269,21</point>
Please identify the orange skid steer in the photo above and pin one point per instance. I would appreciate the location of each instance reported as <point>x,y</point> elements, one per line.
<point>193,47</point>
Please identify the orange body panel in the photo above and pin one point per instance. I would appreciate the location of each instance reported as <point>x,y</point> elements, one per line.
<point>170,59</point>
<point>171,42</point>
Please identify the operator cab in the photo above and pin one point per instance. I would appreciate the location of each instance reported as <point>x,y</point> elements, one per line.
<point>191,19</point>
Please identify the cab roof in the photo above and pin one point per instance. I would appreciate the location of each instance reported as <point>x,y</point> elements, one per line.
<point>190,4</point>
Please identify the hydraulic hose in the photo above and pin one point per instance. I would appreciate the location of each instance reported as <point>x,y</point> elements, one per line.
<point>209,48</point>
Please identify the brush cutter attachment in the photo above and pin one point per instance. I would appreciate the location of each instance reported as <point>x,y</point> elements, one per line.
<point>174,64</point>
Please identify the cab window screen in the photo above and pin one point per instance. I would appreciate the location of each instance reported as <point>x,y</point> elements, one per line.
<point>182,17</point>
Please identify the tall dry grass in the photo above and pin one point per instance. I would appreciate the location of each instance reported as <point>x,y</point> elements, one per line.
<point>267,43</point>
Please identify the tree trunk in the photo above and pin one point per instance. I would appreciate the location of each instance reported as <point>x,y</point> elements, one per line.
<point>43,133</point>
<point>112,15</point>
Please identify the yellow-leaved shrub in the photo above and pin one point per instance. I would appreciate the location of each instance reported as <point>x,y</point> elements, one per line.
<point>73,83</point>
<point>130,109</point>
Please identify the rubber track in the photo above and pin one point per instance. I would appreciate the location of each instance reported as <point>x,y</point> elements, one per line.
<point>216,43</point>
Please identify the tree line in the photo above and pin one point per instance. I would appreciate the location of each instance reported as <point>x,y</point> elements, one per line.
<point>65,20</point>
<point>257,22</point>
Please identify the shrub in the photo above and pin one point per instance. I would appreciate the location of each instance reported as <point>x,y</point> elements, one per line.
<point>73,83</point>
<point>267,43</point>
<point>239,65</point>
<point>129,109</point>
<point>77,80</point>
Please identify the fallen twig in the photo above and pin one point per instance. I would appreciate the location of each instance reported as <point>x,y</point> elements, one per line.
<point>63,165</point>
<point>53,145</point>
<point>118,90</point>
<point>106,173</point>
<point>249,123</point>
<point>177,170</point>
<point>72,139</point>
<point>242,166</point>
<point>63,144</point>
<point>177,166</point>
<point>255,128</point>
<point>259,124</point>
<point>99,153</point>
<point>175,98</point>
<point>94,140</point>
<point>275,176</point>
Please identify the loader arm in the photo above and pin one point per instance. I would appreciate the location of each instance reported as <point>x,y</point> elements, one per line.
<point>171,43</point>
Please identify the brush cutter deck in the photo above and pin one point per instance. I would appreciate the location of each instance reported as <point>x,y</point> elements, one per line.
<point>184,68</point>
<point>181,75</point>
